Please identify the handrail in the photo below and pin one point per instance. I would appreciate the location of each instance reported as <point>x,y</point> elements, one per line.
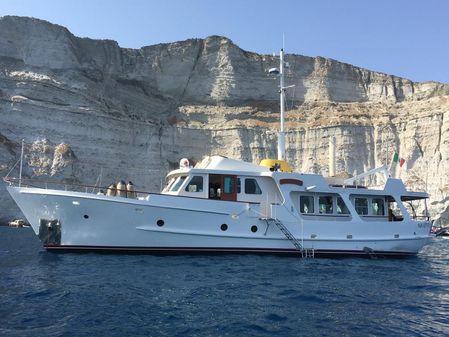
<point>11,181</point>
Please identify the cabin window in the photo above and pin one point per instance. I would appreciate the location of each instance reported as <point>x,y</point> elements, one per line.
<point>169,184</point>
<point>417,208</point>
<point>179,181</point>
<point>325,204</point>
<point>341,206</point>
<point>239,188</point>
<point>361,206</point>
<point>195,184</point>
<point>228,183</point>
<point>306,204</point>
<point>252,187</point>
<point>377,206</point>
<point>394,211</point>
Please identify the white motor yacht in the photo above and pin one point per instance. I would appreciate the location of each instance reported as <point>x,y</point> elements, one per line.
<point>226,205</point>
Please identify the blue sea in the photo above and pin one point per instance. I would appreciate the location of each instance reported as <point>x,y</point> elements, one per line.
<point>51,294</point>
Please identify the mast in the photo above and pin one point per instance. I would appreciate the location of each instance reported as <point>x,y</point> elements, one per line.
<point>281,134</point>
<point>282,88</point>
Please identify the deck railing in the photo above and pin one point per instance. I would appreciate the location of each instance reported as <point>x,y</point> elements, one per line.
<point>66,186</point>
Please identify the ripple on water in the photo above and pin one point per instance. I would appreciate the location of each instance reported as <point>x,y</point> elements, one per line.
<point>44,294</point>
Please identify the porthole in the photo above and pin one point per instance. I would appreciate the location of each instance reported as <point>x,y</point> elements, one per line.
<point>253,229</point>
<point>160,223</point>
<point>224,227</point>
<point>86,216</point>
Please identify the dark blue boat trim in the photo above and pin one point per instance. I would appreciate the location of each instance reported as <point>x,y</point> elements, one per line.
<point>212,250</point>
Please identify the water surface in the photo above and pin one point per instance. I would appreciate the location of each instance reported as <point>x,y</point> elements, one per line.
<point>51,294</point>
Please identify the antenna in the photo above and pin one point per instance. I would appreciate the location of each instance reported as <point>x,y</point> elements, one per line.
<point>282,88</point>
<point>281,134</point>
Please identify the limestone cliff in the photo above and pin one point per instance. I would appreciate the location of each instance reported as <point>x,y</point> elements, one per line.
<point>91,111</point>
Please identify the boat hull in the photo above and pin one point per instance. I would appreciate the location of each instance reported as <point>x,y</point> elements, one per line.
<point>171,224</point>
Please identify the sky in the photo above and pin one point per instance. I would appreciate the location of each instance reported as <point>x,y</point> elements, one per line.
<point>406,38</point>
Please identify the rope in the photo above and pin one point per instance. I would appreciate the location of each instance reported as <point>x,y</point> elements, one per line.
<point>12,168</point>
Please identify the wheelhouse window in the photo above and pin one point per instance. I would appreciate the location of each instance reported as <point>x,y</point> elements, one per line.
<point>341,206</point>
<point>169,184</point>
<point>361,205</point>
<point>325,204</point>
<point>195,184</point>
<point>377,206</point>
<point>228,183</point>
<point>306,204</point>
<point>394,211</point>
<point>177,184</point>
<point>252,187</point>
<point>416,207</point>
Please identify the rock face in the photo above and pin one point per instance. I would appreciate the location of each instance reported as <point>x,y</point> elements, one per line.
<point>92,112</point>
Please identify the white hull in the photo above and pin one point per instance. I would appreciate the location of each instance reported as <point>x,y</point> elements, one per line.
<point>91,222</point>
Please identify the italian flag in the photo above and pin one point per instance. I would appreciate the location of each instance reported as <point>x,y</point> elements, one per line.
<point>396,159</point>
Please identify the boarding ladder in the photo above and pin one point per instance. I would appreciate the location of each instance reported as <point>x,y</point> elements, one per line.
<point>304,252</point>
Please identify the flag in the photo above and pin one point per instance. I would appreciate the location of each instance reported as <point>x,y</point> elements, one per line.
<point>396,157</point>
<point>394,163</point>
<point>401,162</point>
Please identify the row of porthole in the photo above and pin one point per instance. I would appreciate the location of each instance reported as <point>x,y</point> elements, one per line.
<point>223,227</point>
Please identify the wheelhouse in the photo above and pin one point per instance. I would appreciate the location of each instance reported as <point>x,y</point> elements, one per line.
<point>221,186</point>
